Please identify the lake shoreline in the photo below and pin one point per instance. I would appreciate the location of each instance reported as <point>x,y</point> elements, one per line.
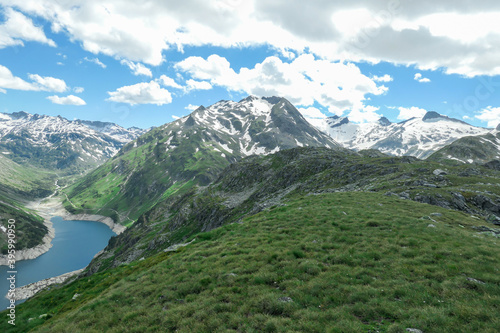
<point>48,208</point>
<point>75,245</point>
<point>29,290</point>
<point>115,227</point>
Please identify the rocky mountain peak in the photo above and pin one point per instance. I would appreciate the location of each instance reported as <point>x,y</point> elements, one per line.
<point>384,121</point>
<point>272,100</point>
<point>432,115</point>
<point>249,98</point>
<point>336,121</point>
<point>20,115</point>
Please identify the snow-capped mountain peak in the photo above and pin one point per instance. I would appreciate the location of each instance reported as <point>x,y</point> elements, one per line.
<point>252,126</point>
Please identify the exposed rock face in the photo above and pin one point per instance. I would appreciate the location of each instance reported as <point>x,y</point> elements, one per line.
<point>478,149</point>
<point>439,172</point>
<point>117,228</point>
<point>494,165</point>
<point>487,204</point>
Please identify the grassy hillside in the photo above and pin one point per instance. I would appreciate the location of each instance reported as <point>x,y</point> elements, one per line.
<point>336,262</point>
<point>256,183</point>
<point>472,149</point>
<point>25,182</point>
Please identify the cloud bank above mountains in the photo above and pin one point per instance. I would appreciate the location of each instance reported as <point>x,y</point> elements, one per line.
<point>460,36</point>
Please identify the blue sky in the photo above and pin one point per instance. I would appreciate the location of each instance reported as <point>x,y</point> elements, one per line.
<point>144,64</point>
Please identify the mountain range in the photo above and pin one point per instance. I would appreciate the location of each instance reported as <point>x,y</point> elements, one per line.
<point>193,150</point>
<point>159,180</point>
<point>419,136</point>
<point>190,151</point>
<point>56,143</point>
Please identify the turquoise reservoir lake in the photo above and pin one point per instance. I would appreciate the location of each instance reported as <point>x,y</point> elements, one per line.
<point>74,245</point>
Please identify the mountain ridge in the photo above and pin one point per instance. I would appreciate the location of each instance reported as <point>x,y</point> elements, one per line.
<point>417,136</point>
<point>57,143</point>
<point>478,149</point>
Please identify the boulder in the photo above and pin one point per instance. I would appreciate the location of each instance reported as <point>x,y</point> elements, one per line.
<point>439,172</point>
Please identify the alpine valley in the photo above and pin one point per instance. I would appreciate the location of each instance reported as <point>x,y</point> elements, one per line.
<point>244,217</point>
<point>40,154</point>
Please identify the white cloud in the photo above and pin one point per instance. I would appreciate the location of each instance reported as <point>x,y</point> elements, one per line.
<point>95,61</point>
<point>40,83</point>
<point>137,68</point>
<point>191,107</point>
<point>141,93</point>
<point>365,114</point>
<point>312,112</point>
<point>67,100</point>
<point>3,91</point>
<point>9,81</point>
<point>314,116</point>
<point>304,81</point>
<point>418,77</point>
<point>48,83</point>
<point>78,90</point>
<point>411,112</point>
<point>214,68</point>
<point>384,78</point>
<point>461,37</point>
<point>490,115</point>
<point>197,85</point>
<point>175,117</point>
<point>18,28</point>
<point>169,82</point>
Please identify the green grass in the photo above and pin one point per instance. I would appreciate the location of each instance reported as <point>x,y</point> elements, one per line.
<point>349,262</point>
<point>24,182</point>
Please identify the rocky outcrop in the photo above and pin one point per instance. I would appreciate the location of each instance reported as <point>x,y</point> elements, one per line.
<point>31,289</point>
